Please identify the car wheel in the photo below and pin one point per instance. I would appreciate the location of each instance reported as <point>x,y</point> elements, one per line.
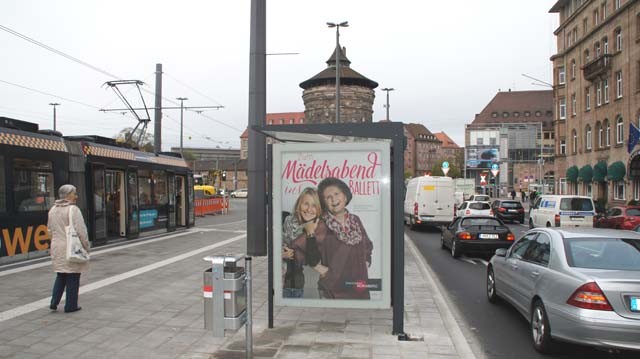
<point>455,251</point>
<point>530,223</point>
<point>540,329</point>
<point>412,224</point>
<point>491,286</point>
<point>548,224</point>
<point>522,221</point>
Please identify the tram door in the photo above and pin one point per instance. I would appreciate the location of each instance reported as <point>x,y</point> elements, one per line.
<point>171,213</point>
<point>132,201</point>
<point>180,202</point>
<point>115,203</point>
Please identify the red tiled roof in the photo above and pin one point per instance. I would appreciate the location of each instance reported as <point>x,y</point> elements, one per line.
<point>516,104</point>
<point>418,129</point>
<point>447,142</point>
<point>297,117</point>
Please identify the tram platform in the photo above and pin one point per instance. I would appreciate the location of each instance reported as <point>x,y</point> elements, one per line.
<point>144,300</point>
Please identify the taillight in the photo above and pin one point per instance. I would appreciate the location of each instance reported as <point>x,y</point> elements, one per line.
<point>502,210</point>
<point>510,236</point>
<point>557,220</point>
<point>415,208</point>
<point>589,296</point>
<point>467,211</point>
<point>465,236</point>
<point>520,210</point>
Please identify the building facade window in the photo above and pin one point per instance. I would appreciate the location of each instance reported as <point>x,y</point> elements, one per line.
<point>605,86</point>
<point>619,130</point>
<point>596,50</point>
<point>587,98</point>
<point>562,108</point>
<point>618,4</point>
<point>607,137</point>
<point>574,144</point>
<point>563,147</point>
<point>605,46</point>
<point>600,135</point>
<point>573,69</point>
<point>599,93</point>
<point>618,190</point>
<point>619,84</point>
<point>618,34</point>
<point>596,18</point>
<point>561,75</point>
<point>562,183</point>
<point>586,56</point>
<point>636,189</point>
<point>588,137</point>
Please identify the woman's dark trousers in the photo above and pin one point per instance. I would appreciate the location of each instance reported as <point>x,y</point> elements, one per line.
<point>72,282</point>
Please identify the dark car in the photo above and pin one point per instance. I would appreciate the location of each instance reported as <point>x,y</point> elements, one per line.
<point>508,210</point>
<point>621,217</point>
<point>476,234</point>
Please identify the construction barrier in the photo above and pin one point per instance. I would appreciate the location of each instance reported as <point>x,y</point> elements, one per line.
<point>217,205</point>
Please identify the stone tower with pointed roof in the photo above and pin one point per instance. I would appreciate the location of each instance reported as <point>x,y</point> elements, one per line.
<point>356,94</point>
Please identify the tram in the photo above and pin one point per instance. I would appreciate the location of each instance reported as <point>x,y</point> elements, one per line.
<point>123,193</point>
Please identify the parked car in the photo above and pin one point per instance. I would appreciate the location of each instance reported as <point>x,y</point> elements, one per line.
<point>477,234</point>
<point>480,198</point>
<point>622,217</point>
<point>473,208</point>
<point>562,211</point>
<point>578,285</point>
<point>508,210</point>
<point>240,193</point>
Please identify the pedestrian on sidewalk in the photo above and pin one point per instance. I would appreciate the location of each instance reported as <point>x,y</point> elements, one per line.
<point>67,273</point>
<point>513,194</point>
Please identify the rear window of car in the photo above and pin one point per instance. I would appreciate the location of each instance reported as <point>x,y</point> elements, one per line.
<point>604,253</point>
<point>633,212</point>
<point>481,198</point>
<point>576,204</point>
<point>478,205</point>
<point>480,222</point>
<point>511,205</point>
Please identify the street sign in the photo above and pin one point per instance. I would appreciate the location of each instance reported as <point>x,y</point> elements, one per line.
<point>483,179</point>
<point>494,172</point>
<point>445,167</point>
<point>494,167</point>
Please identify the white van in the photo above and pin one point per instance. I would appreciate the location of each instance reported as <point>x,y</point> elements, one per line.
<point>562,211</point>
<point>429,201</point>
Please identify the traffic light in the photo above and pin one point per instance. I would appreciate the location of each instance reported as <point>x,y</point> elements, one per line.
<point>492,181</point>
<point>224,175</point>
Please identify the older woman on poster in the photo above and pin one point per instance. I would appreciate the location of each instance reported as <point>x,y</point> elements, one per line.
<point>345,247</point>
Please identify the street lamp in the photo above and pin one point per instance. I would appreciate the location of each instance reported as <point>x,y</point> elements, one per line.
<point>181,99</point>
<point>337,26</point>
<point>54,104</point>
<point>387,89</point>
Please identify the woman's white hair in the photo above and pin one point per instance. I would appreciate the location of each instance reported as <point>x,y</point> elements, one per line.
<point>65,190</point>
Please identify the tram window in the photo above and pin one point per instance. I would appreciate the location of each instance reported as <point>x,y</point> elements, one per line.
<point>32,185</point>
<point>160,188</point>
<point>3,198</point>
<point>144,190</point>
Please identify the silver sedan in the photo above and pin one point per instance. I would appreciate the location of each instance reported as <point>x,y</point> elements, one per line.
<point>574,285</point>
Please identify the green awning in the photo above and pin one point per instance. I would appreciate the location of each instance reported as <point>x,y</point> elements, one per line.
<point>585,174</point>
<point>600,172</point>
<point>572,174</point>
<point>616,171</point>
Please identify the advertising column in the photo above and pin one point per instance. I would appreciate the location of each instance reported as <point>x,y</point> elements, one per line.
<point>332,229</point>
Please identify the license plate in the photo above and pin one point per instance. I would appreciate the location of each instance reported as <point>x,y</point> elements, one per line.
<point>488,236</point>
<point>513,210</point>
<point>635,304</point>
<point>575,218</point>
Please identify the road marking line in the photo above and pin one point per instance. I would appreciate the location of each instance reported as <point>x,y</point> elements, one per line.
<point>483,261</point>
<point>465,259</point>
<point>222,224</point>
<point>39,304</point>
<point>459,341</point>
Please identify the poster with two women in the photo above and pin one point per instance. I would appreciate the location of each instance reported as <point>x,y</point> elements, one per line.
<point>332,226</point>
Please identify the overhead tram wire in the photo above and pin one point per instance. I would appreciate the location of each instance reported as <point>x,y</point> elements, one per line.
<point>192,89</point>
<point>49,94</point>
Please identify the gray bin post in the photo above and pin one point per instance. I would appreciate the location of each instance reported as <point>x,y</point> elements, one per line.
<point>225,294</point>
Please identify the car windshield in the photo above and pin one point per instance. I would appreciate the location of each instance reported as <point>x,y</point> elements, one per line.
<point>511,205</point>
<point>480,222</point>
<point>479,205</point>
<point>481,198</point>
<point>604,253</point>
<point>635,212</point>
<point>576,204</point>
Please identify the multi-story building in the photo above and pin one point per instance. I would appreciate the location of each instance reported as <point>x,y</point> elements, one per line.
<point>514,131</point>
<point>596,94</point>
<point>422,149</point>
<point>449,150</point>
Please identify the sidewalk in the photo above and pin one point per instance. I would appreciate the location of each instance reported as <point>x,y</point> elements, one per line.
<point>159,314</point>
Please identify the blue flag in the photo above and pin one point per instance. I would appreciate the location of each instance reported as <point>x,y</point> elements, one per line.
<point>634,137</point>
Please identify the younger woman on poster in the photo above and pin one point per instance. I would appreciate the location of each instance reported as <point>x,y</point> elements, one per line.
<point>344,244</point>
<point>305,216</point>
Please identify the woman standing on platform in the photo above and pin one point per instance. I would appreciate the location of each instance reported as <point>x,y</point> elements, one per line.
<point>67,273</point>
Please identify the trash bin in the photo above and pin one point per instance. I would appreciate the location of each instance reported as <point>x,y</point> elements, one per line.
<point>234,292</point>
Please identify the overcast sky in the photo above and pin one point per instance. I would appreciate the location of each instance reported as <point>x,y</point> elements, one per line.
<point>446,59</point>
